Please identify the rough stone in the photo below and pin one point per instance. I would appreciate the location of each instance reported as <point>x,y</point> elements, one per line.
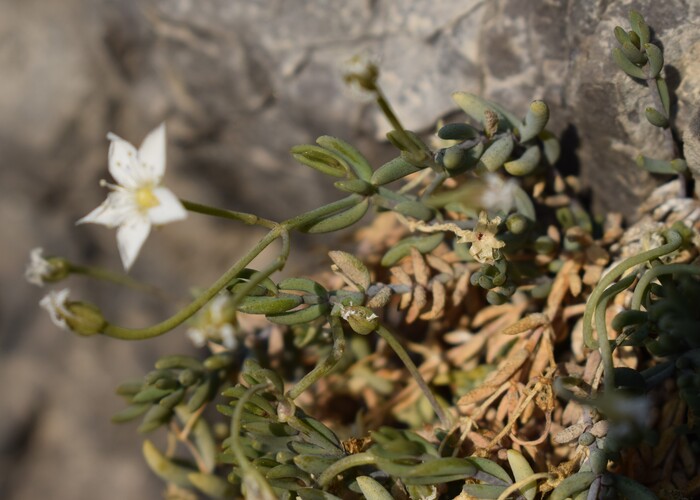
<point>239,83</point>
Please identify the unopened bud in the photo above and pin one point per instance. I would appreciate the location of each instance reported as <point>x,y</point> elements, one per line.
<point>85,319</point>
<point>40,269</point>
<point>285,410</point>
<point>361,319</point>
<point>79,317</point>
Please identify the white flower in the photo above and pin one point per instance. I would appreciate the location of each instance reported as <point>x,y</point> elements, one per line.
<point>483,239</point>
<point>484,243</point>
<point>55,304</point>
<point>499,195</point>
<point>138,201</point>
<point>215,323</point>
<point>38,268</point>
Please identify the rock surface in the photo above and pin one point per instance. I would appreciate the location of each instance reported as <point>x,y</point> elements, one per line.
<point>238,84</point>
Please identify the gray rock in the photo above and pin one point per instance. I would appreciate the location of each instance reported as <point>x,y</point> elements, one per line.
<point>238,84</point>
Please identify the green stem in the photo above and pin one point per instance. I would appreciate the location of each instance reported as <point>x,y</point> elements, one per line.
<point>658,104</point>
<point>356,460</point>
<point>390,115</point>
<point>194,306</point>
<point>654,273</point>
<point>327,364</point>
<point>331,208</point>
<point>602,330</point>
<point>413,370</point>
<point>254,482</point>
<point>436,183</point>
<point>112,277</point>
<point>250,219</point>
<point>259,276</point>
<point>279,230</point>
<point>673,242</point>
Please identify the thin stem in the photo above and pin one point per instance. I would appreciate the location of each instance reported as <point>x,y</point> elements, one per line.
<point>259,276</point>
<point>390,115</point>
<point>250,219</point>
<point>327,364</point>
<point>356,460</point>
<point>177,432</point>
<point>602,330</point>
<point>604,345</point>
<point>279,230</point>
<point>331,208</point>
<point>668,134</point>
<point>436,183</point>
<point>255,483</point>
<point>413,370</point>
<point>673,242</point>
<point>654,273</point>
<point>670,142</point>
<point>191,422</point>
<point>194,306</point>
<point>112,277</point>
<point>523,482</point>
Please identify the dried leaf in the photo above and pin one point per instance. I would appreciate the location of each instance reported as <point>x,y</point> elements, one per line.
<point>476,395</point>
<point>570,433</point>
<point>401,276</point>
<point>468,349</point>
<point>527,323</point>
<point>461,288</point>
<point>351,267</point>
<point>439,264</point>
<point>508,404</point>
<point>592,274</point>
<point>420,299</point>
<point>421,272</point>
<point>597,255</point>
<point>380,299</point>
<point>438,292</point>
<point>561,286</point>
<point>543,357</point>
<point>507,368</point>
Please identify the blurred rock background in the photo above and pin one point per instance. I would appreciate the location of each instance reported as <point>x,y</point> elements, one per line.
<point>239,82</point>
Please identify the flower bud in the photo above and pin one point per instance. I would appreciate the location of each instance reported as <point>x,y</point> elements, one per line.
<point>285,410</point>
<point>78,317</point>
<point>40,270</point>
<point>361,319</point>
<point>517,223</point>
<point>84,319</point>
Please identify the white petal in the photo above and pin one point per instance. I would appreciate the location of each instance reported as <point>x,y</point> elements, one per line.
<point>169,210</point>
<point>37,268</point>
<point>228,336</point>
<point>55,304</point>
<point>197,337</point>
<point>152,153</point>
<point>118,207</point>
<point>130,237</point>
<point>124,163</point>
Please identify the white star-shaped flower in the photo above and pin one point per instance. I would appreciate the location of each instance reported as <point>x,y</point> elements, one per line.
<point>138,201</point>
<point>55,304</point>
<point>38,268</point>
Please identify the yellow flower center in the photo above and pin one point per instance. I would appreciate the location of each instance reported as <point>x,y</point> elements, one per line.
<point>146,199</point>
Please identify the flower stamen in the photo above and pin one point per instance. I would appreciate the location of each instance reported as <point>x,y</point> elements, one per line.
<point>146,199</point>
